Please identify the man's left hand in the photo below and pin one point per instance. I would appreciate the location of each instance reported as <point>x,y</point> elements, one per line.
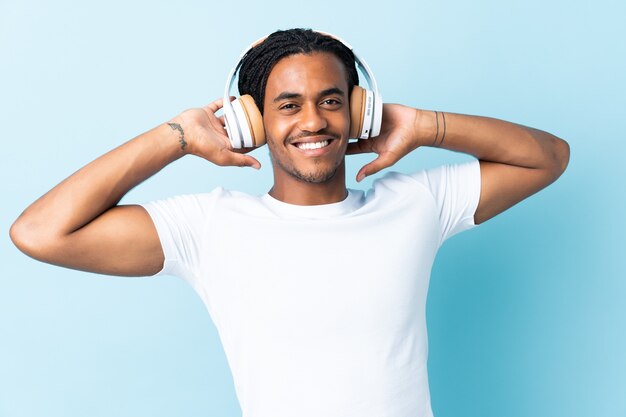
<point>398,136</point>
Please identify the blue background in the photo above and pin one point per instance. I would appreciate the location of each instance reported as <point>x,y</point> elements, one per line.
<point>525,313</point>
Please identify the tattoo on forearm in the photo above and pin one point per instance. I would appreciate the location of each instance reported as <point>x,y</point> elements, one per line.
<point>181,139</point>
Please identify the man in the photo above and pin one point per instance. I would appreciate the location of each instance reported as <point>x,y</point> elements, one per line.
<point>318,292</point>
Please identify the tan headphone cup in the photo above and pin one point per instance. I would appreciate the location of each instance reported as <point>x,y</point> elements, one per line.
<point>254,119</point>
<point>357,111</point>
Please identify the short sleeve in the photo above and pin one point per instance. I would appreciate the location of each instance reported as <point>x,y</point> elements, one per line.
<point>180,222</point>
<point>456,192</point>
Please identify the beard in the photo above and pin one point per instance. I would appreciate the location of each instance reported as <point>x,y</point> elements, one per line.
<point>321,172</point>
<point>318,175</point>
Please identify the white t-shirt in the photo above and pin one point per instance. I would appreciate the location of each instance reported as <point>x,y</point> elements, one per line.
<point>321,309</point>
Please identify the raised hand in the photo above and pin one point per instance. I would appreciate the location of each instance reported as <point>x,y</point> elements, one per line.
<point>202,133</point>
<point>398,136</point>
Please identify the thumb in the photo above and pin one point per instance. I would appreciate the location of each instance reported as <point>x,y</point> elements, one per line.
<point>230,158</point>
<point>381,162</point>
<point>247,161</point>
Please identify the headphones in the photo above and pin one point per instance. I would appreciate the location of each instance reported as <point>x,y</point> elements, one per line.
<point>244,123</point>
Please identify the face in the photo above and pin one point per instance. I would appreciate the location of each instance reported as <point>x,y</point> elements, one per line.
<point>307,117</point>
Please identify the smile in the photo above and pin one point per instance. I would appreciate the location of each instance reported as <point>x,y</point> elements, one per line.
<point>312,145</point>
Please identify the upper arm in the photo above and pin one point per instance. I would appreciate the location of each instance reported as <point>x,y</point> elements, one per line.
<point>121,241</point>
<point>503,186</point>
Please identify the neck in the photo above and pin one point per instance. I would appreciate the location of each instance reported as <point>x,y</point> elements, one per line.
<point>292,190</point>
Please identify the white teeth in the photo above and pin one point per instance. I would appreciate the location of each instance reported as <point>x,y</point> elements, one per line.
<point>314,145</point>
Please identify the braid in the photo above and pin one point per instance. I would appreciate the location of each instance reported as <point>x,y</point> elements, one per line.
<point>257,64</point>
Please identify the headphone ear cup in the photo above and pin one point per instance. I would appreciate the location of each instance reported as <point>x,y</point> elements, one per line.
<point>254,120</point>
<point>357,111</point>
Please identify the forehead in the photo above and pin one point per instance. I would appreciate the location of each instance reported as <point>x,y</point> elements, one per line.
<point>306,73</point>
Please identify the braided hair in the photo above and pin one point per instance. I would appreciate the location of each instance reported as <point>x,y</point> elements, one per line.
<point>258,62</point>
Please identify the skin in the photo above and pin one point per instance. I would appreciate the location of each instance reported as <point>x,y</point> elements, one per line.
<point>96,234</point>
<point>306,100</point>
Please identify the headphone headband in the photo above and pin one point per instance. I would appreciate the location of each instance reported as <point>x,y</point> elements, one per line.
<point>360,63</point>
<point>235,113</point>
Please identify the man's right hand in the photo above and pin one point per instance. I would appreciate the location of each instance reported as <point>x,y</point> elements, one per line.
<point>78,224</point>
<point>206,137</point>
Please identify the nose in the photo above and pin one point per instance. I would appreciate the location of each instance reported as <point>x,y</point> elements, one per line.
<point>311,119</point>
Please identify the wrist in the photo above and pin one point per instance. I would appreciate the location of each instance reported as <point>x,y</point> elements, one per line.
<point>180,133</point>
<point>430,128</point>
<point>425,127</point>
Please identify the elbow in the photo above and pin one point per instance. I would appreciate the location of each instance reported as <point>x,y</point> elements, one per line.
<point>28,239</point>
<point>559,156</point>
<point>562,155</point>
<point>21,236</point>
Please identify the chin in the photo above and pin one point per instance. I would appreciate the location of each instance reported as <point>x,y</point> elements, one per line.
<point>315,177</point>
<point>311,172</point>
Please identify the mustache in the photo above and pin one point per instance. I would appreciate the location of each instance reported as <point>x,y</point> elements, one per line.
<point>306,134</point>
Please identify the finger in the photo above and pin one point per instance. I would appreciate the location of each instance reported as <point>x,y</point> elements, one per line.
<point>218,122</point>
<point>383,161</point>
<point>215,105</point>
<point>230,158</point>
<point>242,150</point>
<point>360,146</point>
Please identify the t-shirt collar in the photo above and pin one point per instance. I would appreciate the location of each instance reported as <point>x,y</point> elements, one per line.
<point>321,211</point>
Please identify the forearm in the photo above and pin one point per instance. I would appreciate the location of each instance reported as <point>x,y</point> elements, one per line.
<point>493,140</point>
<point>100,185</point>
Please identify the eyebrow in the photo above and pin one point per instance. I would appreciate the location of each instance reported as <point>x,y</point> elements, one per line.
<point>286,95</point>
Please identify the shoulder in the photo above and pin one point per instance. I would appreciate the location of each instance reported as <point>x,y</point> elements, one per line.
<point>442,172</point>
<point>196,200</point>
<point>441,181</point>
<point>443,178</point>
<point>199,204</point>
<point>395,187</point>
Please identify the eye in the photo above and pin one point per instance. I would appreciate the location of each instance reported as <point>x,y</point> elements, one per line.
<point>331,102</point>
<point>288,106</point>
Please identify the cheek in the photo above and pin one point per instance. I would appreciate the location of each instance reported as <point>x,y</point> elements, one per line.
<point>341,121</point>
<point>275,130</point>
<point>275,141</point>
